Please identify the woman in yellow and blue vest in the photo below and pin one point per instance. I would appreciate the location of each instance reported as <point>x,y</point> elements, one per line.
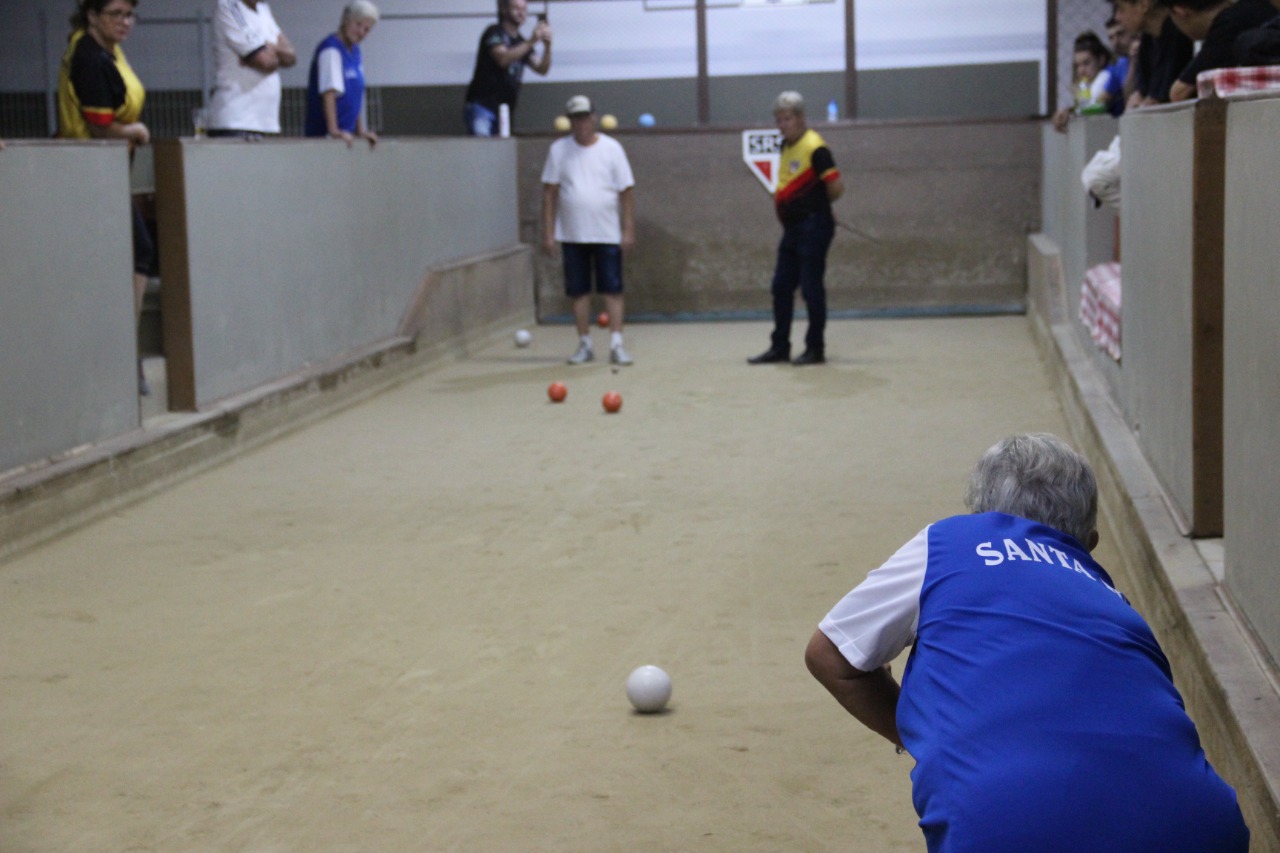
<point>99,97</point>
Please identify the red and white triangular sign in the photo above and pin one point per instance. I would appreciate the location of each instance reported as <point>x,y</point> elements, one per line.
<point>760,151</point>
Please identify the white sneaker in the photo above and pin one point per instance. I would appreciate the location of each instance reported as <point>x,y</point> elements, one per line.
<point>618,355</point>
<point>583,355</point>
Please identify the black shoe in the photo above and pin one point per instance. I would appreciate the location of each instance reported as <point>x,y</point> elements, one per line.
<point>809,356</point>
<point>770,356</point>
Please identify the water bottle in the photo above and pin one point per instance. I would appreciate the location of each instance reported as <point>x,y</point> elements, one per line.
<point>833,111</point>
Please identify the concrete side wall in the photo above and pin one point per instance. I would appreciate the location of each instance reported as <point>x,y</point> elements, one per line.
<point>1251,394</point>
<point>282,254</point>
<point>935,217</point>
<point>951,91</point>
<point>1084,233</point>
<point>67,335</point>
<point>456,308</point>
<point>1156,223</point>
<point>1227,687</point>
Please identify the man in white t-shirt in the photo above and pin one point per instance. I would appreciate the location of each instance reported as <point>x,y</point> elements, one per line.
<point>248,49</point>
<point>587,208</point>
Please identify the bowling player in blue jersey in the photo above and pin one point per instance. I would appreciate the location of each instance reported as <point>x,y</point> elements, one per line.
<point>1037,704</point>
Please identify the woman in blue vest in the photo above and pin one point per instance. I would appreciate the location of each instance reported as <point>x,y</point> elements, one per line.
<point>335,85</point>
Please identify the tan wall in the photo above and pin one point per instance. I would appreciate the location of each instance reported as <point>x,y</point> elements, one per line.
<point>283,254</point>
<point>68,344</point>
<point>1172,379</point>
<point>1171,186</point>
<point>945,208</point>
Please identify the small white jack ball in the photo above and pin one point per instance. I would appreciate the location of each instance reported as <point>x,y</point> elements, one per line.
<point>523,338</point>
<point>649,689</point>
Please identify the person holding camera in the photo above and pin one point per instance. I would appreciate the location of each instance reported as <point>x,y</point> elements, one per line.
<point>500,63</point>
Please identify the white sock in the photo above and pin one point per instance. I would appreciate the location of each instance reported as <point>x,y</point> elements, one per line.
<point>586,341</point>
<point>615,340</point>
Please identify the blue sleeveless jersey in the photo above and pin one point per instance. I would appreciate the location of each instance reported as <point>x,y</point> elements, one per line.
<point>1041,711</point>
<point>349,102</point>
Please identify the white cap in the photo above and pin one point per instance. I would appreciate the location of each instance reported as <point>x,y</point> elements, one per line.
<point>578,105</point>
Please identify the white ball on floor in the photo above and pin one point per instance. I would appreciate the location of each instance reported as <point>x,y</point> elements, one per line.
<point>523,338</point>
<point>649,689</point>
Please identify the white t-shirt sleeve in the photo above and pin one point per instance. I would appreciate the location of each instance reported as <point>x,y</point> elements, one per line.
<point>551,168</point>
<point>624,177</point>
<point>238,29</point>
<point>1098,88</point>
<point>329,75</point>
<point>879,617</point>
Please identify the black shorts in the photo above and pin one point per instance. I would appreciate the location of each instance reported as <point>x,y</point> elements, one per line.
<point>579,261</point>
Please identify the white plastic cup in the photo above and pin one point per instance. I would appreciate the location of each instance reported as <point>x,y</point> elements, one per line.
<point>504,120</point>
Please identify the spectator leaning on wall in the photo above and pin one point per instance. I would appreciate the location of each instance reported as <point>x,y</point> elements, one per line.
<point>1216,24</point>
<point>1089,61</point>
<point>1163,51</point>
<point>335,83</point>
<point>99,97</point>
<point>1118,82</point>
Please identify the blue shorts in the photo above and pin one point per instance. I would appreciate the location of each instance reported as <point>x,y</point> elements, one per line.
<point>480,120</point>
<point>581,258</point>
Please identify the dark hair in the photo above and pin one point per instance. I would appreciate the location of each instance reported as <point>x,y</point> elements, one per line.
<point>80,17</point>
<point>1193,5</point>
<point>1091,43</point>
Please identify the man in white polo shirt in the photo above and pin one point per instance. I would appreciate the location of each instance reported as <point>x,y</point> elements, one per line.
<point>249,49</point>
<point>587,208</point>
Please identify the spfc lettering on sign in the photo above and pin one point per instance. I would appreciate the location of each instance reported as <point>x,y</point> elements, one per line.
<point>760,151</point>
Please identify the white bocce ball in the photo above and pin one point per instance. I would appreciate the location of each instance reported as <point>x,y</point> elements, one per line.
<point>523,338</point>
<point>648,688</point>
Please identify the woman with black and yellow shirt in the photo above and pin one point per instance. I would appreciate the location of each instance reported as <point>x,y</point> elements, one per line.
<point>99,97</point>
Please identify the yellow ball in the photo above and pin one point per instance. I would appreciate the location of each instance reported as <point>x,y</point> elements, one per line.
<point>608,122</point>
<point>562,123</point>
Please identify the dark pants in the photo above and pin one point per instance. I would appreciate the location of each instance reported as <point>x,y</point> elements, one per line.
<point>802,262</point>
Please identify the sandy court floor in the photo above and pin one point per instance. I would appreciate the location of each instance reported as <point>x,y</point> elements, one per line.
<point>408,627</point>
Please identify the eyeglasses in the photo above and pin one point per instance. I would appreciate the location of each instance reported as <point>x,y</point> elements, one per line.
<point>120,14</point>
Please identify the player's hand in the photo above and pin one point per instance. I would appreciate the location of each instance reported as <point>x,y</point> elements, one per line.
<point>549,245</point>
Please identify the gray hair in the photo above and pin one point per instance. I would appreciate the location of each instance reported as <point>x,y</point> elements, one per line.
<point>790,101</point>
<point>361,10</point>
<point>1038,477</point>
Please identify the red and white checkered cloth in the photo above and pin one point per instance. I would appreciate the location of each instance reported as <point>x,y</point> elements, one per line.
<point>1100,307</point>
<point>1225,82</point>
